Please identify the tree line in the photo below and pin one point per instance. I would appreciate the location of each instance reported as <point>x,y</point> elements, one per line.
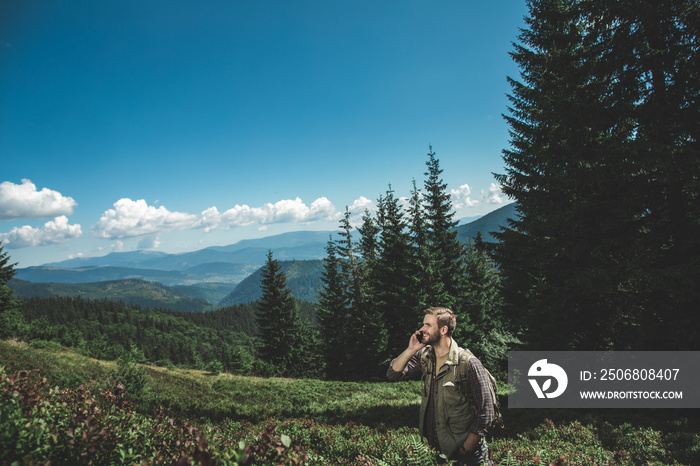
<point>378,277</point>
<point>106,329</point>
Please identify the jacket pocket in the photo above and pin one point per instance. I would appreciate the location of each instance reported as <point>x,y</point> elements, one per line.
<point>457,415</point>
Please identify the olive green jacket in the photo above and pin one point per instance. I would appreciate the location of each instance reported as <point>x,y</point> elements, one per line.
<point>454,413</point>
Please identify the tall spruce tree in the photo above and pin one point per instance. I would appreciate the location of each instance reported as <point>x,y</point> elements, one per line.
<point>487,337</point>
<point>11,319</point>
<point>446,287</point>
<point>420,271</point>
<point>365,347</point>
<point>392,282</point>
<point>333,318</point>
<point>604,166</point>
<point>7,272</point>
<point>284,339</point>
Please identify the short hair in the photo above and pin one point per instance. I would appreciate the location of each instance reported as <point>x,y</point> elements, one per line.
<point>445,318</point>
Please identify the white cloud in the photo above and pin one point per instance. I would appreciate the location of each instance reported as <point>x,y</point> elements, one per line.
<point>24,201</point>
<point>494,195</point>
<point>117,246</point>
<point>209,219</point>
<point>136,218</point>
<point>284,211</point>
<point>361,204</point>
<point>461,197</point>
<point>53,232</point>
<point>149,242</point>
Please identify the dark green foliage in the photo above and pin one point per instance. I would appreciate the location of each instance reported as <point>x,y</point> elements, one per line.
<point>12,323</point>
<point>446,252</point>
<point>333,306</point>
<point>7,271</point>
<point>487,336</point>
<point>393,296</point>
<point>421,267</point>
<point>134,292</point>
<point>604,167</point>
<point>284,341</point>
<point>107,329</point>
<point>130,374</point>
<point>353,337</point>
<point>406,259</point>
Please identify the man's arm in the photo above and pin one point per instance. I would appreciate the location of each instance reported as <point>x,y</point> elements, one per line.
<point>407,365</point>
<point>477,381</point>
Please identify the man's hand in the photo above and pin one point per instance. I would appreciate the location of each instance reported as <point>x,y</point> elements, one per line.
<point>413,344</point>
<point>470,444</point>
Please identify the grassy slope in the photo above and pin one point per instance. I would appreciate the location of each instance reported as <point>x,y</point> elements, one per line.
<point>335,420</point>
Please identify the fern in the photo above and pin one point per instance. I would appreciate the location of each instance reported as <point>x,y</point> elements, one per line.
<point>408,451</point>
<point>509,460</point>
<point>420,454</point>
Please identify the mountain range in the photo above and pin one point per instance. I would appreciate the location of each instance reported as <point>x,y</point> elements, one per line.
<point>217,272</point>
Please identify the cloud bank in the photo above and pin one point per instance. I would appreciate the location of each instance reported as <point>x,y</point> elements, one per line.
<point>131,218</point>
<point>136,218</point>
<point>19,201</point>
<point>53,232</point>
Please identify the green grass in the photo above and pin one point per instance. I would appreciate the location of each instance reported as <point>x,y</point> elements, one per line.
<point>343,422</point>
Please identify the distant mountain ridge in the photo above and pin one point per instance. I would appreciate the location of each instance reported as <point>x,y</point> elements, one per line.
<point>212,273</point>
<point>300,245</point>
<point>487,224</point>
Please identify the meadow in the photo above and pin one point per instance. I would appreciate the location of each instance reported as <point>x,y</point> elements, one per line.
<point>62,407</point>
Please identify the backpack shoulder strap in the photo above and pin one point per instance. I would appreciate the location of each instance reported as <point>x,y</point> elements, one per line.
<point>425,361</point>
<point>464,356</point>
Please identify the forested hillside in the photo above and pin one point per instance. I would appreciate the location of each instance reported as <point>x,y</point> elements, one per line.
<point>303,278</point>
<point>108,329</point>
<point>133,292</point>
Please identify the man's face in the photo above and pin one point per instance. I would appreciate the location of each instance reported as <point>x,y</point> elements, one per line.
<point>430,330</point>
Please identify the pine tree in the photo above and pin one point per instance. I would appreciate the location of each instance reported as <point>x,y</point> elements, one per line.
<point>604,167</point>
<point>12,322</point>
<point>446,252</point>
<point>333,307</point>
<point>283,336</point>
<point>7,272</point>
<point>392,280</point>
<point>363,329</point>
<point>421,267</point>
<point>487,335</point>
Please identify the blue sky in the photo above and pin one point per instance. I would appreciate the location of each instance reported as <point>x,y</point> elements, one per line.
<point>173,125</point>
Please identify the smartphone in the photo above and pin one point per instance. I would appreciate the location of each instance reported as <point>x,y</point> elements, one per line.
<point>420,337</point>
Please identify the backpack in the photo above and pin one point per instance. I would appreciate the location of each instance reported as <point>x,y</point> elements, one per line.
<point>464,357</point>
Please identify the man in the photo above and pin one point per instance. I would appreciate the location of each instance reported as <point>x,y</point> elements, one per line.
<point>452,422</point>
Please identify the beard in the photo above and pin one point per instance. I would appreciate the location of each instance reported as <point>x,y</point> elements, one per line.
<point>432,339</point>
